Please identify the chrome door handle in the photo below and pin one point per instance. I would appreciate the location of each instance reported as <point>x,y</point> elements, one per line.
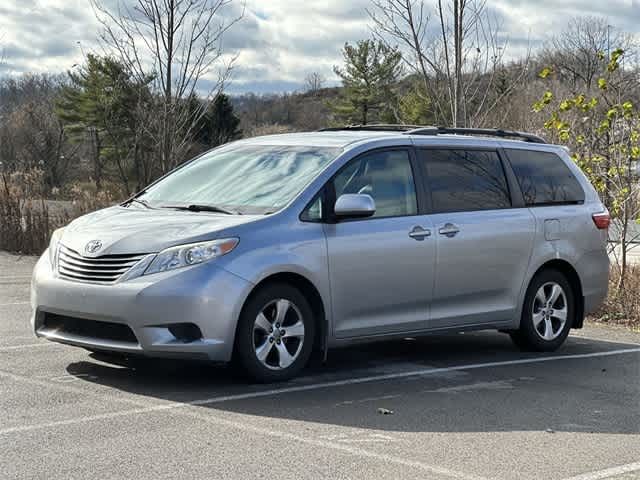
<point>419,233</point>
<point>449,230</point>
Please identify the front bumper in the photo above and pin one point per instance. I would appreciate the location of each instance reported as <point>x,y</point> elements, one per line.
<point>205,295</point>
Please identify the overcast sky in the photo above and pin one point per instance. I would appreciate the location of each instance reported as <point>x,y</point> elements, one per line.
<point>278,41</point>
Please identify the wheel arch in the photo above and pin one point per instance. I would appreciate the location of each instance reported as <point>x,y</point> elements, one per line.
<point>571,274</point>
<point>311,293</point>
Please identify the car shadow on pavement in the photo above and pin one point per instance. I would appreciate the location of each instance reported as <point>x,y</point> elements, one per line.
<point>589,395</point>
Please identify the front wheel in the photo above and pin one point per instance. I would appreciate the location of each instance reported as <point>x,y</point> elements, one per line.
<point>275,333</point>
<point>547,314</point>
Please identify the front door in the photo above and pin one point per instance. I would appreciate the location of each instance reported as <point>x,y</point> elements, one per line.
<point>381,267</point>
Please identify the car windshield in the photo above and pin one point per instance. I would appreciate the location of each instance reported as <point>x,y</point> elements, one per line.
<point>242,178</point>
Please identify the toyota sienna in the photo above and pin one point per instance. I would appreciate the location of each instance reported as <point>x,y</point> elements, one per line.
<point>264,250</point>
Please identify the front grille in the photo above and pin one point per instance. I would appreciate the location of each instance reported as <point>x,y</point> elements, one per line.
<point>104,269</point>
<point>61,324</point>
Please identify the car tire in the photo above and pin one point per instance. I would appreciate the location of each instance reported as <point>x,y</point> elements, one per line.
<point>548,313</point>
<point>275,334</point>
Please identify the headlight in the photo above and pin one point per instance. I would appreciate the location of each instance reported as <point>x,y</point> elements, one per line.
<point>53,247</point>
<point>191,254</point>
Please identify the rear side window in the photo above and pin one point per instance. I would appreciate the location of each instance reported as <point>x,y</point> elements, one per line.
<point>465,180</point>
<point>544,178</point>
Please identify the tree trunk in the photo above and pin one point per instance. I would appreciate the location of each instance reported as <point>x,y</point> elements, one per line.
<point>623,251</point>
<point>94,139</point>
<point>168,130</point>
<point>458,12</point>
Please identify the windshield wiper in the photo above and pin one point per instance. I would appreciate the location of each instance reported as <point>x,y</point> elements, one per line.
<point>202,208</point>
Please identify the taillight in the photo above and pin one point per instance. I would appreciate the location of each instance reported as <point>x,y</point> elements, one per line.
<point>602,220</point>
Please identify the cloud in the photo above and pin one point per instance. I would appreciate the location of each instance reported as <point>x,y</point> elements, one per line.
<point>278,42</point>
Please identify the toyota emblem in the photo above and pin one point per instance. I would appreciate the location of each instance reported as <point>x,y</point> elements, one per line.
<point>93,246</point>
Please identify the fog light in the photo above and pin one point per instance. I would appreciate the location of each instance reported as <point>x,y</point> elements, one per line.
<point>185,332</point>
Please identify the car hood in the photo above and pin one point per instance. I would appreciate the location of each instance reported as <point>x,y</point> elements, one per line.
<point>130,230</point>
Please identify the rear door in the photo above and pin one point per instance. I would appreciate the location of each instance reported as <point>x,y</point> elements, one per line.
<point>483,237</point>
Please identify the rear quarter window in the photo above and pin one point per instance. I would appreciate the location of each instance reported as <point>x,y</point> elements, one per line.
<point>544,178</point>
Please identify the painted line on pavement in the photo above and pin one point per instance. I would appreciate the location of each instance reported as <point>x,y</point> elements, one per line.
<point>13,303</point>
<point>608,472</point>
<point>602,474</point>
<point>604,340</point>
<point>310,387</point>
<point>29,345</point>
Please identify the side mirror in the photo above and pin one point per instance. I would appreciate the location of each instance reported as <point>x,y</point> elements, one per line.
<point>352,205</point>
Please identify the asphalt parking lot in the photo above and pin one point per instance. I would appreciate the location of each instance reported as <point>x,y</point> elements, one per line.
<point>465,406</point>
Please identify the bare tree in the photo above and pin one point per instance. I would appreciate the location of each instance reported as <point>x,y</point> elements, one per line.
<point>314,82</point>
<point>32,137</point>
<point>179,42</point>
<point>43,138</point>
<point>458,60</point>
<point>580,52</point>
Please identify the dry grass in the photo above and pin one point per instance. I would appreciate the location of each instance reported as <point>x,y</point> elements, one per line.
<point>27,221</point>
<point>622,306</point>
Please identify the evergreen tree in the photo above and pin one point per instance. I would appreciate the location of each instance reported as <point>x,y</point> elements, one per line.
<point>101,106</point>
<point>219,124</point>
<point>369,78</point>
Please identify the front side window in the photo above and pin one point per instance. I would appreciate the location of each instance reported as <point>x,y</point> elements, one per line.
<point>465,180</point>
<point>243,178</point>
<point>387,177</point>
<point>544,178</point>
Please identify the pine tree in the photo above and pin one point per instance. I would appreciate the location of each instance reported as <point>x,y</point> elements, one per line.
<point>369,78</point>
<point>219,124</point>
<point>99,106</point>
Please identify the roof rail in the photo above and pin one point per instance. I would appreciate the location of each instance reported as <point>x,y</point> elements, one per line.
<point>374,127</point>
<point>430,130</point>
<point>492,132</point>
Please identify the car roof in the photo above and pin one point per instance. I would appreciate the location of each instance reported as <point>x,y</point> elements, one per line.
<point>350,138</point>
<point>339,139</point>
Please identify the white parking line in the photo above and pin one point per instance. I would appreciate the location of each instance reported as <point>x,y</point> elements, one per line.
<point>310,387</point>
<point>29,345</point>
<point>341,447</point>
<point>211,418</point>
<point>356,451</point>
<point>14,280</point>
<point>335,444</point>
<point>13,303</point>
<point>602,340</point>
<point>399,375</point>
<point>608,472</point>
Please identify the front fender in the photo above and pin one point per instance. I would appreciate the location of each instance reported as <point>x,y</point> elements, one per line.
<point>300,249</point>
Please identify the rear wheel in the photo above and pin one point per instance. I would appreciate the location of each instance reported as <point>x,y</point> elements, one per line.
<point>548,313</point>
<point>275,333</point>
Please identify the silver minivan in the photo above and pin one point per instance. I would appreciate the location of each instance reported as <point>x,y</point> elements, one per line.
<point>268,249</point>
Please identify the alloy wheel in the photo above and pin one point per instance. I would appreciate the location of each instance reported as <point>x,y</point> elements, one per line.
<point>549,313</point>
<point>278,334</point>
